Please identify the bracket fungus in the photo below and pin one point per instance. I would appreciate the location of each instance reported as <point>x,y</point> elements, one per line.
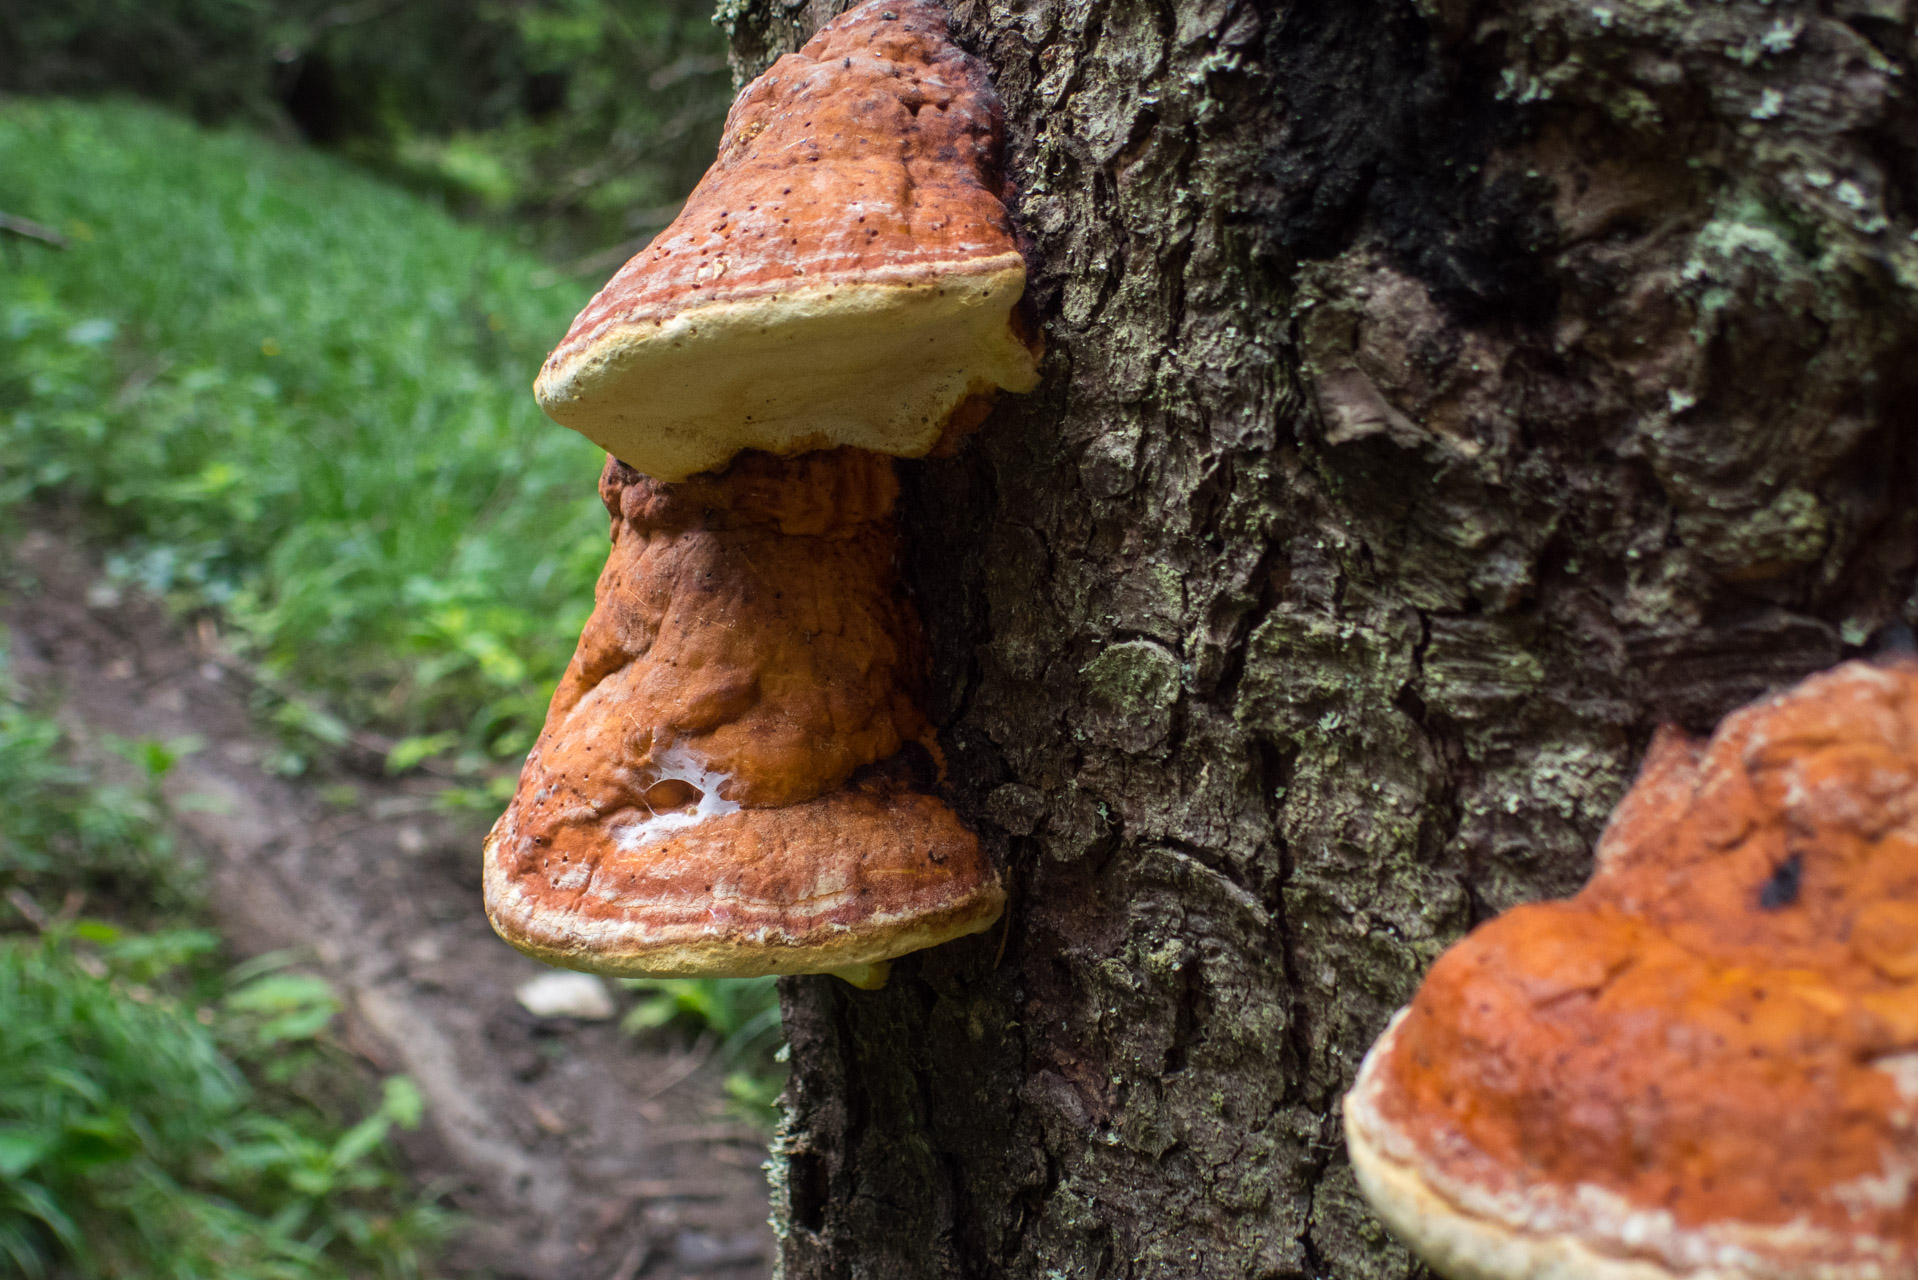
<point>845,273</point>
<point>1704,1064</point>
<point>735,774</point>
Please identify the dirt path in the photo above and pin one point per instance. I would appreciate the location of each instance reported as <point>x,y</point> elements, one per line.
<point>575,1151</point>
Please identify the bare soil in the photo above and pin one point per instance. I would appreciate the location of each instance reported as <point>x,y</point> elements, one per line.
<point>574,1152</point>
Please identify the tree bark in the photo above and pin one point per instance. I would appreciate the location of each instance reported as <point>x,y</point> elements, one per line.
<point>1438,396</point>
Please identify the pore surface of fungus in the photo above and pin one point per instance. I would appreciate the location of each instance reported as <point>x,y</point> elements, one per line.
<point>729,777</point>
<point>1705,1064</point>
<point>845,273</point>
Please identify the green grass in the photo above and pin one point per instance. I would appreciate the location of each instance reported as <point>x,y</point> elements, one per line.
<point>742,1017</point>
<point>161,1116</point>
<point>281,388</point>
<point>288,395</point>
<point>62,831</point>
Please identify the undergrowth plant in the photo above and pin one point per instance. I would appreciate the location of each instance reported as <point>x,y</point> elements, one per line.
<point>62,831</point>
<point>161,1116</point>
<point>742,1017</point>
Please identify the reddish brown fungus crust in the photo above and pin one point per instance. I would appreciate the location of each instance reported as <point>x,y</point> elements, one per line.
<point>751,641</point>
<point>862,875</point>
<point>752,617</point>
<point>1721,1027</point>
<point>871,154</point>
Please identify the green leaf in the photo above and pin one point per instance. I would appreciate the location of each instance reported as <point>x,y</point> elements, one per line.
<point>649,1014</point>
<point>96,931</point>
<point>408,752</point>
<point>356,1143</point>
<point>402,1102</point>
<point>21,1148</point>
<point>283,1007</point>
<point>282,992</point>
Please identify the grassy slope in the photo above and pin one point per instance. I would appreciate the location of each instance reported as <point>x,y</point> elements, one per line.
<point>159,1117</point>
<point>287,390</point>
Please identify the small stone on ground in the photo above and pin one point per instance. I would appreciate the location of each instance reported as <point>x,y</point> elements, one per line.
<point>560,994</point>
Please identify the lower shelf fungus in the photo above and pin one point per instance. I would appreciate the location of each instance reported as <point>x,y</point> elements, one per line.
<point>732,779</point>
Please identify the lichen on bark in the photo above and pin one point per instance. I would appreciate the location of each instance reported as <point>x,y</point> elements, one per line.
<point>1437,397</point>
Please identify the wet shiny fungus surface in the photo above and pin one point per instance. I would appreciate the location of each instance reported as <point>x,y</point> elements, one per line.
<point>1722,1026</point>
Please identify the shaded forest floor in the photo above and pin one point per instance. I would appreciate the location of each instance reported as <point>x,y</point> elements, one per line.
<point>571,1149</point>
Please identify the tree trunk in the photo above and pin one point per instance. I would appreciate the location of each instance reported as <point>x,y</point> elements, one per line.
<point>1438,396</point>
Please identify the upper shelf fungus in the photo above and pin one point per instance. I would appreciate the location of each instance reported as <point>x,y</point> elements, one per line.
<point>844,274</point>
<point>1706,1063</point>
<point>734,777</point>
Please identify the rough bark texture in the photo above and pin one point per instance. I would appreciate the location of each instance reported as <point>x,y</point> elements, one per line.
<point>1438,396</point>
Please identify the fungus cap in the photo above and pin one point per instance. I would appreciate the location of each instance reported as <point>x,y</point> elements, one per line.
<point>732,776</point>
<point>844,274</point>
<point>1705,1064</point>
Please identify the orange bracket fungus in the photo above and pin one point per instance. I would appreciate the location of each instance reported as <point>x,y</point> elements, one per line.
<point>844,274</point>
<point>1703,1065</point>
<point>734,774</point>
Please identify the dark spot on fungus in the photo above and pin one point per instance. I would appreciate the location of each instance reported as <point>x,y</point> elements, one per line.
<point>1781,889</point>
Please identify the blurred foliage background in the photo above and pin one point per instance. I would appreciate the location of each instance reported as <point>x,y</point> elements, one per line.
<point>279,375</point>
<point>284,395</point>
<point>579,124</point>
<point>278,388</point>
